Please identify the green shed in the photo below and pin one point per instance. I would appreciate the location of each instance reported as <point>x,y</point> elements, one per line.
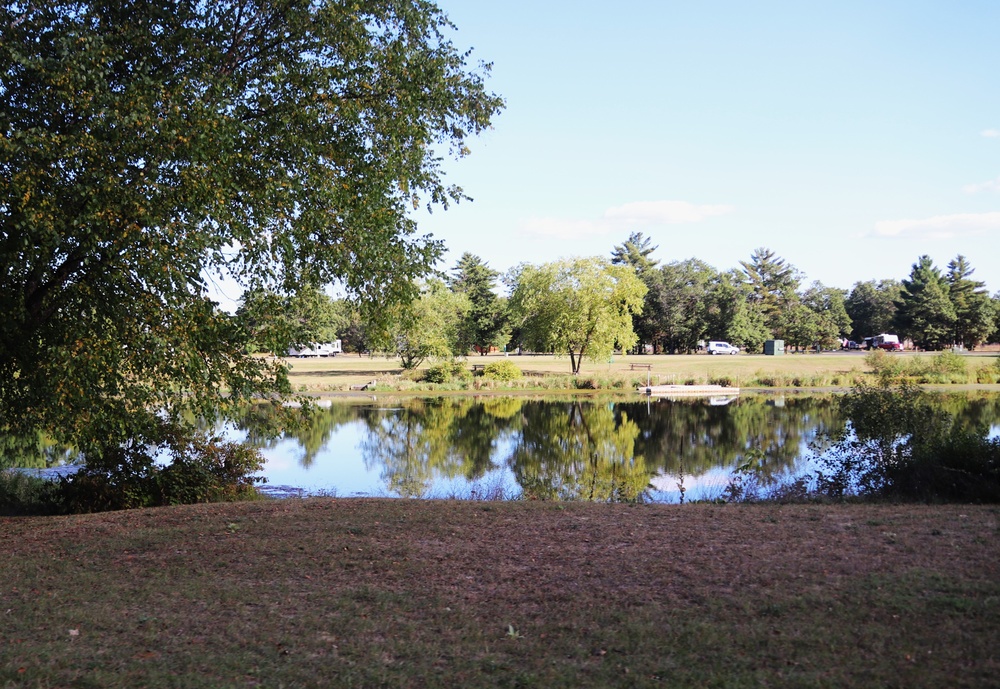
<point>774,347</point>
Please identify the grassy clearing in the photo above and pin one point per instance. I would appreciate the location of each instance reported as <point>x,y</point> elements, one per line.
<point>401,593</point>
<point>546,372</point>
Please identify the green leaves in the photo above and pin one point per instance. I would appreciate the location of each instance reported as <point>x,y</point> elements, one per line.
<point>148,149</point>
<point>580,306</point>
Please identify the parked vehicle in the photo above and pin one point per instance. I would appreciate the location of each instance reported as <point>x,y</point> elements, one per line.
<point>885,341</point>
<point>722,348</point>
<point>850,344</point>
<point>317,349</point>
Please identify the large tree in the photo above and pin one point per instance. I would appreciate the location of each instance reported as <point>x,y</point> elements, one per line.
<point>973,306</point>
<point>677,304</point>
<point>871,307</point>
<point>581,306</point>
<point>275,321</point>
<point>485,324</point>
<point>147,148</point>
<point>427,327</point>
<point>774,283</point>
<point>924,312</point>
<point>734,315</point>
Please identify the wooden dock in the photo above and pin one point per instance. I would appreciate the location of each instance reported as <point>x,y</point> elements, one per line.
<point>686,390</point>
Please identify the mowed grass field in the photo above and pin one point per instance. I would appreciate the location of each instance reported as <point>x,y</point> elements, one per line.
<point>400,593</point>
<point>790,370</point>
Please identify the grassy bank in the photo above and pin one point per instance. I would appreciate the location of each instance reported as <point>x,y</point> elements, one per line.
<point>401,593</point>
<point>546,372</point>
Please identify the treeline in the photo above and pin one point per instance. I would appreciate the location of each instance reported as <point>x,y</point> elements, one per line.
<point>587,307</point>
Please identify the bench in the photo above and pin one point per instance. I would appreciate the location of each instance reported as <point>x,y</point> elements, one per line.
<point>640,367</point>
<point>478,367</point>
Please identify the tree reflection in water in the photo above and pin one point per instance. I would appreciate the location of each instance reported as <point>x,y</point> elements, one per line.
<point>603,449</point>
<point>586,448</point>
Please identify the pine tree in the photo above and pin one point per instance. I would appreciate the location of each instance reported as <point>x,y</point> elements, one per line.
<point>635,252</point>
<point>974,318</point>
<point>773,282</point>
<point>924,312</point>
<point>485,324</point>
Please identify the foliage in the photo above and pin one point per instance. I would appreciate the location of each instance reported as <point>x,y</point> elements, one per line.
<point>677,305</point>
<point>204,469</point>
<point>898,445</point>
<point>871,307</point>
<point>446,372</point>
<point>580,306</point>
<point>734,315</point>
<point>828,317</point>
<point>428,327</point>
<point>773,283</point>
<point>924,312</point>
<point>21,494</point>
<point>147,149</point>
<point>485,323</point>
<point>276,322</point>
<point>942,368</point>
<point>504,369</point>
<point>974,317</point>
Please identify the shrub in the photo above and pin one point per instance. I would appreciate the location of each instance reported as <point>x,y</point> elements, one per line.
<point>724,381</point>
<point>987,374</point>
<point>885,366</point>
<point>446,372</point>
<point>203,469</point>
<point>21,494</point>
<point>504,370</point>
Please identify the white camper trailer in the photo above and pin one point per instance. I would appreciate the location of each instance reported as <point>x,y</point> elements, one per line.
<point>317,349</point>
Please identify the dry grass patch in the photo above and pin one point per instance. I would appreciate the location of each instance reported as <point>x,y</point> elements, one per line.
<point>403,593</point>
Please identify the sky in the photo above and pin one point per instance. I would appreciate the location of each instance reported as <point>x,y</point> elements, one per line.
<point>850,137</point>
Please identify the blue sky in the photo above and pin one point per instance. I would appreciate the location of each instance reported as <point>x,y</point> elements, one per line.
<point>849,137</point>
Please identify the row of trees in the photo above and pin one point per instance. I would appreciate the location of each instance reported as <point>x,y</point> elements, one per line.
<point>689,301</point>
<point>587,307</point>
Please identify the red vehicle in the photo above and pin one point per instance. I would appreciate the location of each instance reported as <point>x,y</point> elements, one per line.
<point>885,341</point>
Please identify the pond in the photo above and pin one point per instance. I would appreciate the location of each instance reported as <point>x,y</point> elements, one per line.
<point>601,448</point>
<point>591,448</point>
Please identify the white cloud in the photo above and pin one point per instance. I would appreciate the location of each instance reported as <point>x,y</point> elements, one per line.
<point>627,217</point>
<point>941,226</point>
<point>992,185</point>
<point>991,133</point>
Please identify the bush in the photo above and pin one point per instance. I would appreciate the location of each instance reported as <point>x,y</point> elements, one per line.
<point>203,469</point>
<point>21,494</point>
<point>446,372</point>
<point>504,370</point>
<point>885,366</point>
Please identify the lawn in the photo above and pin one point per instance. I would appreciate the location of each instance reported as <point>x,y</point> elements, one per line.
<point>827,369</point>
<point>366,593</point>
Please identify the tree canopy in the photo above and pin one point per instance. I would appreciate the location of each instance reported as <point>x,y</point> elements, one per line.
<point>581,306</point>
<point>147,149</point>
<point>924,312</point>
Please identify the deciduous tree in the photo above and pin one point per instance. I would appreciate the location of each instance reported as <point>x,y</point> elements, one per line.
<point>146,148</point>
<point>871,307</point>
<point>581,306</point>
<point>427,327</point>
